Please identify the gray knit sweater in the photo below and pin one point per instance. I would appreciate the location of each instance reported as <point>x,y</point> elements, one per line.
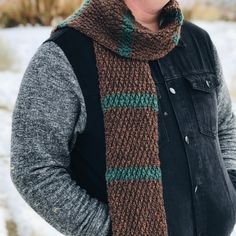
<point>49,112</point>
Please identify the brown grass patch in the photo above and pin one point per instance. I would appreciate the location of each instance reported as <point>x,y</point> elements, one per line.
<point>15,12</point>
<point>7,58</point>
<point>11,228</point>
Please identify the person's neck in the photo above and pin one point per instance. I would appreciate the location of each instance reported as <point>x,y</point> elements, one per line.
<point>144,17</point>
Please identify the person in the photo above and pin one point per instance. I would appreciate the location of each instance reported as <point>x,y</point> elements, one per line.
<point>123,125</point>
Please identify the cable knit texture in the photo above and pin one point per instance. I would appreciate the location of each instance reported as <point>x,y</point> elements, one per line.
<point>130,106</point>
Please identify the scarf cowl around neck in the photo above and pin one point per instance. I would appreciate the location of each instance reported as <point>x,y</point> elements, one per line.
<point>112,24</point>
<point>130,106</point>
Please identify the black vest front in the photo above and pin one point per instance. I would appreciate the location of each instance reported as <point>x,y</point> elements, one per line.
<point>188,143</point>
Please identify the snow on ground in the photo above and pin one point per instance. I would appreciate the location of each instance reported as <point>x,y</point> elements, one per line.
<point>224,37</point>
<point>14,212</point>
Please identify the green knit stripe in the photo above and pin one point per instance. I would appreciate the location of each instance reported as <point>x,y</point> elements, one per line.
<point>125,46</point>
<point>73,16</point>
<point>133,173</point>
<point>179,17</point>
<point>176,38</point>
<point>133,100</point>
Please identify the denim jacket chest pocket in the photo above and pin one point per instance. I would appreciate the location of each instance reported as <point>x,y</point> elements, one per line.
<point>202,88</point>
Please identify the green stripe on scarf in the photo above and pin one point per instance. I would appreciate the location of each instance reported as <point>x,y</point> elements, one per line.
<point>75,15</point>
<point>134,173</point>
<point>125,46</point>
<point>130,100</point>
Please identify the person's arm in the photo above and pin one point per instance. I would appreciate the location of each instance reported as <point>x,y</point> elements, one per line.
<point>49,112</point>
<point>226,121</point>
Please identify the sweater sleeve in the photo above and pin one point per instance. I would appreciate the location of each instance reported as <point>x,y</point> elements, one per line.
<point>226,121</point>
<point>48,114</point>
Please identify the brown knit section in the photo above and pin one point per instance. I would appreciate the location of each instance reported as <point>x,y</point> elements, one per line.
<point>122,74</point>
<point>141,151</point>
<point>131,135</point>
<point>137,208</point>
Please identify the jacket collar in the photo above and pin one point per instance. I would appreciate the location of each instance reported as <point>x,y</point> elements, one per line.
<point>181,43</point>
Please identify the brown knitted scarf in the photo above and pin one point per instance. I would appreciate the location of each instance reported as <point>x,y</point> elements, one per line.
<point>129,102</point>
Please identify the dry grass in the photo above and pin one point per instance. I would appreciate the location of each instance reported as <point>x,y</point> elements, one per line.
<point>45,12</point>
<point>206,12</point>
<point>15,12</point>
<point>7,58</point>
<point>211,12</point>
<point>11,228</point>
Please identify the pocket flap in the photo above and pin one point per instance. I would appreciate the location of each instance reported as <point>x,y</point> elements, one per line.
<point>206,82</point>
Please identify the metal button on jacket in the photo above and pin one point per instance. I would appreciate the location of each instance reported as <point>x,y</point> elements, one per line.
<point>186,139</point>
<point>172,90</point>
<point>208,83</point>
<point>165,113</point>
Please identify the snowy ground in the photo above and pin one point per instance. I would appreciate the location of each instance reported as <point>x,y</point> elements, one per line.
<point>14,212</point>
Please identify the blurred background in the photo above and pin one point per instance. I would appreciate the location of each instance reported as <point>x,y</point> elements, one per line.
<point>24,25</point>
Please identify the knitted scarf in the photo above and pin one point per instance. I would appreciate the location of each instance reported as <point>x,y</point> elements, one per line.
<point>129,102</point>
